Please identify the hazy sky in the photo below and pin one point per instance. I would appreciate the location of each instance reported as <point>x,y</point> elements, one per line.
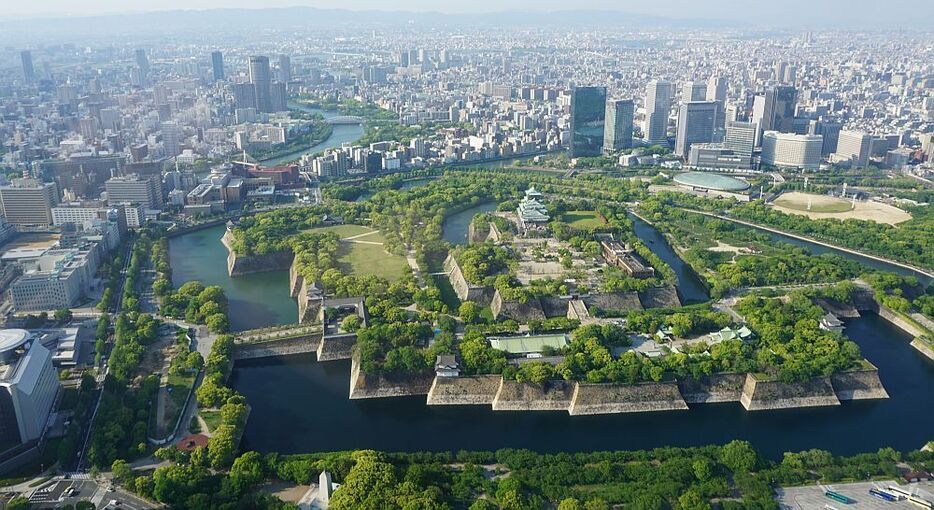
<point>862,11</point>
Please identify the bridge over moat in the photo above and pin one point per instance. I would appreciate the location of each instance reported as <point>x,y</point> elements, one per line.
<point>293,339</point>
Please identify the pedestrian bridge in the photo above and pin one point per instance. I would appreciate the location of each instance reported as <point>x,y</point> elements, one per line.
<point>345,119</point>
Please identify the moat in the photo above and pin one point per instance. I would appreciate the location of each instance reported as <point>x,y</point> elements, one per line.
<point>312,396</point>
<point>312,399</point>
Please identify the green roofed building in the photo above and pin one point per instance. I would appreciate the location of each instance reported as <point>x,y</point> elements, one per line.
<point>728,333</point>
<point>528,344</point>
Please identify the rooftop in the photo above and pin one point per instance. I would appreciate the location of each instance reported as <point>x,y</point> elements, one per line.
<point>527,344</point>
<point>711,181</point>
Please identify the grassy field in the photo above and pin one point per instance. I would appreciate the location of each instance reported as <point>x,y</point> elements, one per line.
<point>819,203</point>
<point>211,418</point>
<point>362,253</point>
<point>583,220</point>
<point>823,206</point>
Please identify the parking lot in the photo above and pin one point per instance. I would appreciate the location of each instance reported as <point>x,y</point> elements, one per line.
<point>812,497</point>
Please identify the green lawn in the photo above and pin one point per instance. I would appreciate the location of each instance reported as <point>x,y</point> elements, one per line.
<point>361,256</point>
<point>211,417</point>
<point>364,259</point>
<point>583,220</point>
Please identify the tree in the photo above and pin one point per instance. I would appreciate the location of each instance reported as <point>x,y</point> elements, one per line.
<point>222,447</point>
<point>691,500</point>
<point>85,505</point>
<point>194,361</point>
<point>122,472</point>
<point>596,504</point>
<point>247,471</point>
<point>217,323</point>
<point>351,323</point>
<point>570,504</point>
<point>702,469</point>
<point>739,456</point>
<point>63,315</point>
<point>18,503</point>
<point>469,312</point>
<point>368,486</point>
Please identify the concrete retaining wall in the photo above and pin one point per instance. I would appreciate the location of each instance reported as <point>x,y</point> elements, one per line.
<point>337,347</point>
<point>238,265</point>
<point>549,396</point>
<point>625,398</point>
<point>297,345</point>
<point>464,390</point>
<point>923,347</point>
<point>465,290</point>
<point>900,322</point>
<point>761,395</point>
<point>713,388</point>
<point>858,385</point>
<point>363,385</point>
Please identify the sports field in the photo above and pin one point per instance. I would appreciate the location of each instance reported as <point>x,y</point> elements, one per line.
<point>362,253</point>
<point>824,206</point>
<point>583,220</point>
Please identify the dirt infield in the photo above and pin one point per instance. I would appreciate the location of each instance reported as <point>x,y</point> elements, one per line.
<point>823,206</point>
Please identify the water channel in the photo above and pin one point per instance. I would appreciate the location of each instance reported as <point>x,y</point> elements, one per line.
<point>312,398</point>
<point>340,134</point>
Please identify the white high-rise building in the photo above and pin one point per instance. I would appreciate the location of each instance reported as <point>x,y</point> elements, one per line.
<point>28,387</point>
<point>854,146</point>
<point>791,150</point>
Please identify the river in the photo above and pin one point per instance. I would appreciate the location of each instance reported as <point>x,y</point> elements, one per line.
<point>312,399</point>
<point>340,134</point>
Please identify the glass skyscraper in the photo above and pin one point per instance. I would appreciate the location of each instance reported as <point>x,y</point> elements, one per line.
<point>588,116</point>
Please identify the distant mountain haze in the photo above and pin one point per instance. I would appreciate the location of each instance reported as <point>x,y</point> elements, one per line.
<point>757,13</point>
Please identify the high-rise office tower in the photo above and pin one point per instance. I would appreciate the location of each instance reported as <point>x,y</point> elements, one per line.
<point>217,63</point>
<point>693,91</point>
<point>285,69</point>
<point>775,110</point>
<point>617,134</point>
<point>830,130</point>
<point>741,138</point>
<point>854,146</point>
<point>142,62</point>
<point>716,89</point>
<point>278,97</point>
<point>29,72</point>
<point>244,95</point>
<point>588,110</point>
<point>171,138</point>
<point>404,58</point>
<point>657,104</point>
<point>695,125</point>
<point>259,77</point>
